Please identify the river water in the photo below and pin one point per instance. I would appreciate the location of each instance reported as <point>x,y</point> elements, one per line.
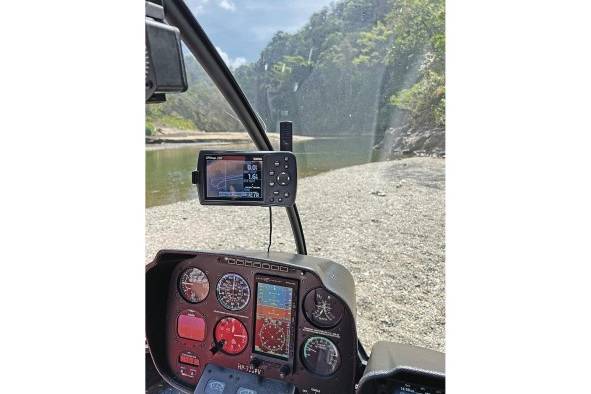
<point>168,170</point>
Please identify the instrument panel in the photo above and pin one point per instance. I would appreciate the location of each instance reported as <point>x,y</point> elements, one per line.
<point>263,317</point>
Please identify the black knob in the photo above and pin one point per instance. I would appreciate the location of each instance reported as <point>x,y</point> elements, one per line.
<point>284,371</point>
<point>217,346</point>
<point>283,179</point>
<point>255,362</point>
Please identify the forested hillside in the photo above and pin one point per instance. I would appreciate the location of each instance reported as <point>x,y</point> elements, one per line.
<point>202,107</point>
<point>357,66</point>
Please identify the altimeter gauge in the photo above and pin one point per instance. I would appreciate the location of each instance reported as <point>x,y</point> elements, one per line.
<point>233,292</point>
<point>193,285</point>
<point>322,308</point>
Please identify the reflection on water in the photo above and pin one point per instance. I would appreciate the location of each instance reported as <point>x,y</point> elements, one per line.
<point>168,171</point>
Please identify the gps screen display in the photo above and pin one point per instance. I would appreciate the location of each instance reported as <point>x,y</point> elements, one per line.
<point>273,320</point>
<point>234,178</point>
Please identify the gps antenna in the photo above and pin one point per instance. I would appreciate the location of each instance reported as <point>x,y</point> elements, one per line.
<point>285,136</point>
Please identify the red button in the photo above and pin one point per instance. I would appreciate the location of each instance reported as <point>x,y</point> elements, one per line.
<point>191,327</point>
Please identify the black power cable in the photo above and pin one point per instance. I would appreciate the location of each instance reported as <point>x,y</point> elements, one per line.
<point>270,229</point>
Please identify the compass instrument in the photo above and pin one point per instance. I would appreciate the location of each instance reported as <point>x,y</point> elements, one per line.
<point>193,285</point>
<point>323,309</point>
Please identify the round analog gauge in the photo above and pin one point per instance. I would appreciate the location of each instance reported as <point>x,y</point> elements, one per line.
<point>323,309</point>
<point>320,356</point>
<point>233,333</point>
<point>233,292</point>
<point>193,285</point>
<point>273,336</point>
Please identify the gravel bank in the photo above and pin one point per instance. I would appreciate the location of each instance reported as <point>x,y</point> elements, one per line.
<point>387,226</point>
<point>167,137</point>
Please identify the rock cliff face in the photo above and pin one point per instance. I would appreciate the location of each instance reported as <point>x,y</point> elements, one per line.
<point>403,141</point>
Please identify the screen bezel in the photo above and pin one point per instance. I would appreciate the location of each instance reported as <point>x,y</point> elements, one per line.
<point>278,281</point>
<point>244,157</point>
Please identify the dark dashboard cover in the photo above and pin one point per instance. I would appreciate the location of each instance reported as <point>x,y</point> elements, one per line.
<point>394,361</point>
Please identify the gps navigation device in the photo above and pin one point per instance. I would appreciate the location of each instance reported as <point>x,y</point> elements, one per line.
<point>246,178</point>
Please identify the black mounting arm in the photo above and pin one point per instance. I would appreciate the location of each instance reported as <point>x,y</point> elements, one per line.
<point>165,67</point>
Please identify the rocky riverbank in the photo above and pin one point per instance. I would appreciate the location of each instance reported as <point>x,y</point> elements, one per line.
<point>406,142</point>
<point>384,221</point>
<point>173,136</point>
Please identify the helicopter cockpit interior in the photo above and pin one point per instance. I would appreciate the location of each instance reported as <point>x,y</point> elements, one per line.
<point>270,323</point>
<point>255,321</point>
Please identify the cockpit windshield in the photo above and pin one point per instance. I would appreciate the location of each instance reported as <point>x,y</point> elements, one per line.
<point>363,83</point>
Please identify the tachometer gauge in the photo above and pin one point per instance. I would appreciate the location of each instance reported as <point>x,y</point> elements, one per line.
<point>233,333</point>
<point>233,292</point>
<point>320,356</point>
<point>193,285</point>
<point>323,309</point>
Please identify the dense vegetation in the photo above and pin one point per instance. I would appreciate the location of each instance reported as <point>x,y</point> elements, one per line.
<point>357,66</point>
<point>201,107</point>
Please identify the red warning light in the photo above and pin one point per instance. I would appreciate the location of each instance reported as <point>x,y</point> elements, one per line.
<point>191,326</point>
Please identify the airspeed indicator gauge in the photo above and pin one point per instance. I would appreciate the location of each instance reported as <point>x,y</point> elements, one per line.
<point>193,285</point>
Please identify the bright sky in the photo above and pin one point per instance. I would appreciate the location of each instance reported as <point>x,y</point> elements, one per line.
<point>240,29</point>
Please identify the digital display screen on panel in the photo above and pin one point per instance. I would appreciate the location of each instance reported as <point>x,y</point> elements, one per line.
<point>274,317</point>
